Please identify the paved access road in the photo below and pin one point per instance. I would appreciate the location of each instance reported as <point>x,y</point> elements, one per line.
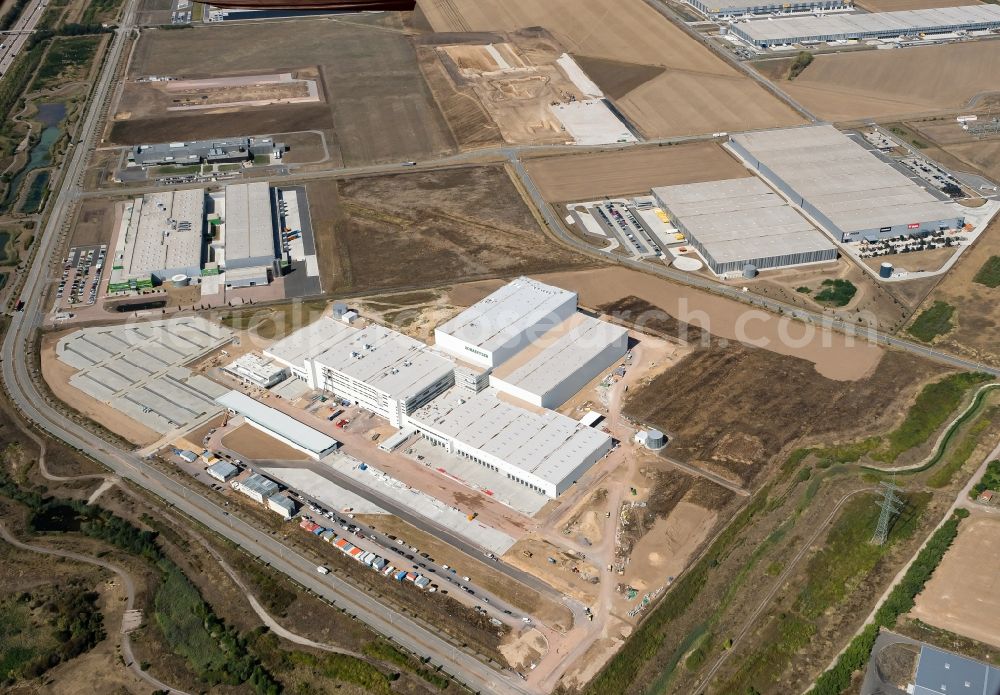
<point>23,392</point>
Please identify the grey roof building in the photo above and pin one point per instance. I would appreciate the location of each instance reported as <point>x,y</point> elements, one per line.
<point>205,151</point>
<point>842,185</point>
<point>874,25</point>
<point>739,8</point>
<point>944,673</point>
<point>737,222</point>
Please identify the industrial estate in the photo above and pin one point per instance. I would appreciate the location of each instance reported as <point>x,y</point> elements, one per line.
<point>494,346</point>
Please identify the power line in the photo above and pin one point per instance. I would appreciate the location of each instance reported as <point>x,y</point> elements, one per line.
<point>891,504</point>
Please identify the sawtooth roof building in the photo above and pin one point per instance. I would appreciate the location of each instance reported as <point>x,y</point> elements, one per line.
<point>737,222</point>
<point>381,370</point>
<point>497,327</point>
<point>873,25</point>
<point>161,235</point>
<point>544,451</point>
<point>842,185</point>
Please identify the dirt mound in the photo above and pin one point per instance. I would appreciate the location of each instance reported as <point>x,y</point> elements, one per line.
<point>617,78</point>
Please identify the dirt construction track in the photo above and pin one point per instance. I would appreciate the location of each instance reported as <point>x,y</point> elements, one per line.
<point>697,92</point>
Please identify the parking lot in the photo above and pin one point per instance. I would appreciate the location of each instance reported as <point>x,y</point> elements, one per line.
<point>80,281</point>
<point>641,229</point>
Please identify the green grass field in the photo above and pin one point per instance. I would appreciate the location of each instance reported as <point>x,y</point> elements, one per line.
<point>989,274</point>
<point>836,292</point>
<point>68,57</point>
<point>932,322</point>
<point>179,614</point>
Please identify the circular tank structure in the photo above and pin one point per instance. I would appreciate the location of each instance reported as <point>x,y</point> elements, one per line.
<point>655,440</point>
<point>885,270</point>
<point>687,264</point>
<point>750,271</point>
<point>180,280</point>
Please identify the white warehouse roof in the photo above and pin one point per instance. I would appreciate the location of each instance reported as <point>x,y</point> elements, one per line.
<point>844,181</point>
<point>164,232</point>
<point>307,341</point>
<point>505,314</point>
<point>549,445</point>
<point>277,422</point>
<point>873,24</point>
<point>385,360</point>
<point>741,219</point>
<point>249,224</point>
<point>559,353</point>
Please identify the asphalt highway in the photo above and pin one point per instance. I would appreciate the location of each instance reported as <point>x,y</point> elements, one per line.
<point>17,36</point>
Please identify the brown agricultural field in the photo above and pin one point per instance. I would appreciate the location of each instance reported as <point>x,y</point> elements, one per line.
<point>892,83</point>
<point>376,101</point>
<point>963,596</point>
<point>733,408</point>
<point>426,229</point>
<point>697,92</point>
<point>588,176</point>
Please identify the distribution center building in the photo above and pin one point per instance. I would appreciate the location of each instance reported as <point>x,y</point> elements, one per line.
<point>738,8</point>
<point>737,222</point>
<point>494,329</point>
<point>381,370</point>
<point>161,235</point>
<point>875,25</point>
<point>277,424</point>
<point>544,451</point>
<point>562,361</point>
<point>842,185</point>
<point>249,234</point>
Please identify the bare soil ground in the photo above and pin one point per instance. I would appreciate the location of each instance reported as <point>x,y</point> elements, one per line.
<point>93,223</point>
<point>963,596</point>
<point>616,78</point>
<point>716,96</point>
<point>252,443</point>
<point>633,171</point>
<point>426,229</point>
<point>885,84</point>
<point>976,332</point>
<point>725,410</point>
<point>377,102</point>
<point>835,356</point>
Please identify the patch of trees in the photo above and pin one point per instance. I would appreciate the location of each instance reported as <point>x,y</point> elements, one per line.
<point>801,62</point>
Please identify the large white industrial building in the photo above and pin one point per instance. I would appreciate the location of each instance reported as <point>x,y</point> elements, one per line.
<point>842,185</point>
<point>277,424</point>
<point>561,361</point>
<point>496,328</point>
<point>161,235</point>
<point>717,9</point>
<point>873,25</point>
<point>544,451</point>
<point>740,222</point>
<point>381,370</point>
<point>249,234</point>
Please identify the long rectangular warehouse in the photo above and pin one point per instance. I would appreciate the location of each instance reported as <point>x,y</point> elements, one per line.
<point>494,329</point>
<point>546,451</point>
<point>381,370</point>
<point>740,8</point>
<point>279,425</point>
<point>842,185</point>
<point>740,222</point>
<point>874,25</point>
<point>249,233</point>
<point>562,361</point>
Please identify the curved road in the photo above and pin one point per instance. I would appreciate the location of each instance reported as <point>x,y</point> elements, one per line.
<point>129,602</point>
